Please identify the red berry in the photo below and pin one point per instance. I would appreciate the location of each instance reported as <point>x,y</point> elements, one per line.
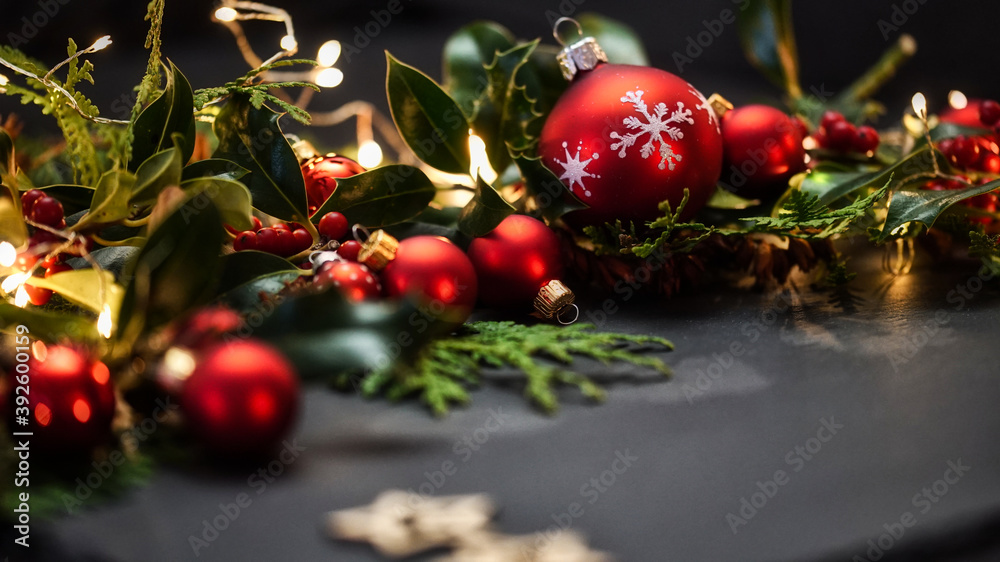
<point>830,118</point>
<point>246,240</point>
<point>841,136</point>
<point>267,240</point>
<point>25,261</point>
<point>964,152</point>
<point>230,229</point>
<point>989,112</point>
<point>867,139</point>
<point>28,199</point>
<point>281,226</point>
<point>333,225</point>
<point>821,139</point>
<point>48,211</point>
<point>990,163</point>
<point>303,240</point>
<point>256,224</point>
<point>286,243</point>
<point>57,268</point>
<point>349,250</point>
<point>801,126</point>
<point>37,295</point>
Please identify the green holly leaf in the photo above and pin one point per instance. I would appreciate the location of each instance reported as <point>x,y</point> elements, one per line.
<point>380,197</point>
<point>768,39</point>
<point>466,53</point>
<point>12,227</point>
<point>551,195</point>
<point>48,326</point>
<point>170,113</point>
<point>110,202</point>
<point>725,199</point>
<point>88,288</point>
<point>925,206</point>
<point>828,190</point>
<point>619,41</point>
<point>429,120</point>
<point>252,138</point>
<point>484,212</point>
<point>543,82</point>
<point>261,294</point>
<point>160,170</point>
<point>432,222</point>
<point>245,266</point>
<point>214,168</point>
<point>230,197</point>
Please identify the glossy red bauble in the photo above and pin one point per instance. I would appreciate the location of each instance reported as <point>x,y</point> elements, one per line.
<point>70,399</point>
<point>514,261</point>
<point>763,149</point>
<point>625,138</point>
<point>355,281</point>
<point>321,173</point>
<point>435,272</point>
<point>242,398</point>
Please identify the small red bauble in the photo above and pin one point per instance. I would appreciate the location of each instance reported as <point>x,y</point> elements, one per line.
<point>625,138</point>
<point>968,116</point>
<point>355,281</point>
<point>763,149</point>
<point>514,261</point>
<point>321,173</point>
<point>435,271</point>
<point>242,398</point>
<point>71,401</point>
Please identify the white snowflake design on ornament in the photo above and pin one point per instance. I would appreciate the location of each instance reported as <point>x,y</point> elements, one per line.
<point>575,170</point>
<point>706,107</point>
<point>655,125</point>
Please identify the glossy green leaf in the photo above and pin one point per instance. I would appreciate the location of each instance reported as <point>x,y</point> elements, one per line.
<point>87,288</point>
<point>432,222</point>
<point>951,130</point>
<point>214,168</point>
<point>113,260</point>
<point>619,41</point>
<point>48,326</point>
<point>543,82</point>
<point>380,197</point>
<point>172,112</point>
<point>829,191</point>
<point>925,206</point>
<point>12,227</point>
<point>504,113</point>
<point>724,199</point>
<point>260,295</point>
<point>484,212</point>
<point>768,39</point>
<point>466,53</point>
<point>551,195</point>
<point>157,172</point>
<point>231,198</point>
<point>245,266</point>
<point>430,122</point>
<point>252,138</point>
<point>111,199</point>
<point>7,162</point>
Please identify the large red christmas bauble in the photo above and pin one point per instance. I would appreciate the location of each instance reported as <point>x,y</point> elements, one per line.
<point>762,148</point>
<point>625,138</point>
<point>70,399</point>
<point>514,261</point>
<point>437,273</point>
<point>321,173</point>
<point>241,398</point>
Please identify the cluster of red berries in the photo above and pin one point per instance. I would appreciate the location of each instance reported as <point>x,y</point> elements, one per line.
<point>838,134</point>
<point>989,113</point>
<point>972,153</point>
<point>281,239</point>
<point>48,211</point>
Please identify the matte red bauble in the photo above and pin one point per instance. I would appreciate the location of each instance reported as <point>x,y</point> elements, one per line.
<point>437,273</point>
<point>514,261</point>
<point>71,400</point>
<point>241,398</point>
<point>762,150</point>
<point>321,173</point>
<point>355,281</point>
<point>625,138</point>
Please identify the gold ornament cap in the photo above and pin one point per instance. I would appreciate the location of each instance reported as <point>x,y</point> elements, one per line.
<point>583,54</point>
<point>719,105</point>
<point>553,300</point>
<point>304,150</point>
<point>378,250</point>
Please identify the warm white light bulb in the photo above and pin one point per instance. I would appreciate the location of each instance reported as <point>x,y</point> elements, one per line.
<point>101,43</point>
<point>4,80</point>
<point>919,103</point>
<point>957,100</point>
<point>11,283</point>
<point>8,254</point>
<point>480,161</point>
<point>104,322</point>
<point>328,53</point>
<point>289,43</point>
<point>225,14</point>
<point>21,298</point>
<point>369,154</point>
<point>329,78</point>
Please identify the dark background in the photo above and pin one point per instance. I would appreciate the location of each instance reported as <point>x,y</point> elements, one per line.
<point>837,41</point>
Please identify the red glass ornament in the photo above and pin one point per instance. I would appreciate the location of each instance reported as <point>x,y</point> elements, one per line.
<point>514,261</point>
<point>321,173</point>
<point>968,116</point>
<point>762,148</point>
<point>625,138</point>
<point>436,272</point>
<point>70,399</point>
<point>355,281</point>
<point>242,398</point>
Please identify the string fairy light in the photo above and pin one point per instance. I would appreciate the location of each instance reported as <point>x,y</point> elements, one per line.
<point>957,100</point>
<point>8,254</point>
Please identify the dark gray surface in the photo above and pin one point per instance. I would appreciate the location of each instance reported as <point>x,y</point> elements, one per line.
<point>696,458</point>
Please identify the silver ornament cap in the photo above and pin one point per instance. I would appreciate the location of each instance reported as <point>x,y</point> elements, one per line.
<point>583,54</point>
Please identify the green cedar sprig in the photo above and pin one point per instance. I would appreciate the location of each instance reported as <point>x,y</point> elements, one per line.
<point>259,91</point>
<point>804,216</point>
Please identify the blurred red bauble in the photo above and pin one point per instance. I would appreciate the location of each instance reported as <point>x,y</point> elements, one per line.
<point>763,149</point>
<point>241,398</point>
<point>437,273</point>
<point>321,173</point>
<point>625,138</point>
<point>70,398</point>
<point>967,116</point>
<point>514,261</point>
<point>355,281</point>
